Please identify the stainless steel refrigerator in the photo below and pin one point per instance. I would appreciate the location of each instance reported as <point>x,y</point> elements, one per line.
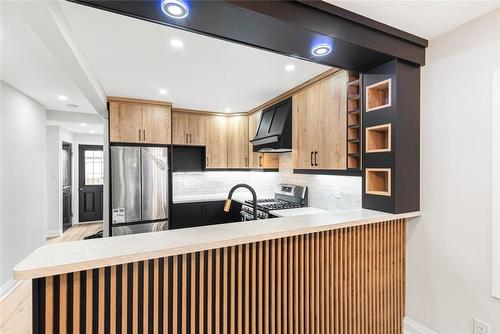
<point>139,189</point>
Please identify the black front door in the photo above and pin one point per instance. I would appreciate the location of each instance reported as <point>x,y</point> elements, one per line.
<point>91,178</point>
<point>66,183</point>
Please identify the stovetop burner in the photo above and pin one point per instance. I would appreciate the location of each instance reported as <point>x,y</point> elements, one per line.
<point>268,204</point>
<point>287,196</point>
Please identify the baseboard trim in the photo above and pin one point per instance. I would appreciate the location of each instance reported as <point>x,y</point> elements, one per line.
<point>411,326</point>
<point>8,287</point>
<point>53,234</point>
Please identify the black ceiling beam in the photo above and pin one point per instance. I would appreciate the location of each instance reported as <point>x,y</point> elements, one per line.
<point>327,19</point>
<point>286,27</point>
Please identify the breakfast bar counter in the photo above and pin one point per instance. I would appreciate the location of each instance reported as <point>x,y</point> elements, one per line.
<point>326,270</point>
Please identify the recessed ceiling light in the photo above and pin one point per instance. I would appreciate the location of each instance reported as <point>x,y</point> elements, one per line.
<point>176,43</point>
<point>290,67</point>
<point>227,109</point>
<point>175,9</point>
<point>92,131</point>
<point>163,91</point>
<point>321,50</point>
<point>62,97</point>
<point>83,124</point>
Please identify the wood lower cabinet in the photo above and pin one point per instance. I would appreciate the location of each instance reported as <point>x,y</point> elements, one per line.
<point>139,121</point>
<point>216,152</point>
<point>237,142</point>
<point>319,124</point>
<point>188,128</point>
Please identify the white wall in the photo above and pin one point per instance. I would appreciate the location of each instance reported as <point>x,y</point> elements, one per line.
<point>56,135</point>
<point>53,149</point>
<point>495,117</point>
<point>22,178</point>
<point>449,247</point>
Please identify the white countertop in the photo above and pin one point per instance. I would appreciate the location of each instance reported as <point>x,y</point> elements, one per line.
<point>297,212</point>
<point>64,257</point>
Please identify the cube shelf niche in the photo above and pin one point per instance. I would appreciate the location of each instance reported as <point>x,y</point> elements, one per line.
<point>353,161</point>
<point>378,138</point>
<point>352,105</point>
<point>352,134</point>
<point>353,119</point>
<point>378,181</point>
<point>378,95</point>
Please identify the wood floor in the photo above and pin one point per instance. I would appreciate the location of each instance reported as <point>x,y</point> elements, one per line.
<point>15,309</point>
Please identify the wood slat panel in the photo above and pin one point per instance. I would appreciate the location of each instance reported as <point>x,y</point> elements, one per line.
<point>343,281</point>
<point>76,302</point>
<point>113,301</point>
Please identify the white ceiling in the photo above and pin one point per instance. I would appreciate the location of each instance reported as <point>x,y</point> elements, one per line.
<point>426,19</point>
<point>76,122</point>
<point>134,58</point>
<point>27,65</point>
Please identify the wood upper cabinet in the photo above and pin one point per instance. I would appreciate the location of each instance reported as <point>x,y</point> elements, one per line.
<point>257,159</point>
<point>319,124</point>
<point>138,122</point>
<point>125,122</point>
<point>156,124</point>
<point>332,119</point>
<point>237,142</point>
<point>188,128</point>
<point>216,150</point>
<point>253,157</point>
<point>197,129</point>
<point>304,124</point>
<point>179,127</point>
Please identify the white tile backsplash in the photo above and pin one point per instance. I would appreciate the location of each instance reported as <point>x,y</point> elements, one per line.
<point>324,189</point>
<point>220,182</point>
<point>329,192</point>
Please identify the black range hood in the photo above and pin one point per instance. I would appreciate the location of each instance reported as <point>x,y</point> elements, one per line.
<point>274,133</point>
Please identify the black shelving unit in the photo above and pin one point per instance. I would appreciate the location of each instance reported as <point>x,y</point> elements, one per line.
<point>354,98</point>
<point>391,130</point>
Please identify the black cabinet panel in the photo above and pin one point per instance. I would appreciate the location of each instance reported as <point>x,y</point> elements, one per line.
<point>203,213</point>
<point>188,159</point>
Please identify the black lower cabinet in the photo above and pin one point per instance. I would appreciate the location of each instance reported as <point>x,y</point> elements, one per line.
<point>203,213</point>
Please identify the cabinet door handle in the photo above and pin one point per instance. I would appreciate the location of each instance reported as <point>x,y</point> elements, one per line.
<point>260,160</point>
<point>139,134</point>
<point>187,138</point>
<point>144,135</point>
<point>190,139</point>
<point>207,161</point>
<point>315,158</point>
<point>246,162</point>
<point>312,153</point>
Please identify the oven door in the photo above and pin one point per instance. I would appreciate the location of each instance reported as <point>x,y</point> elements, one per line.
<point>246,216</point>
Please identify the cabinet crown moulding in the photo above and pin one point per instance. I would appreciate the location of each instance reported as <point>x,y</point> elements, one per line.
<point>141,101</point>
<point>209,113</point>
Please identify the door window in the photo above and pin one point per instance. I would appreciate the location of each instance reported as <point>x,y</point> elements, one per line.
<point>94,168</point>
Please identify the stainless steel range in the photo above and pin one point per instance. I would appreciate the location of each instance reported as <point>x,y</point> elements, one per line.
<point>287,196</point>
